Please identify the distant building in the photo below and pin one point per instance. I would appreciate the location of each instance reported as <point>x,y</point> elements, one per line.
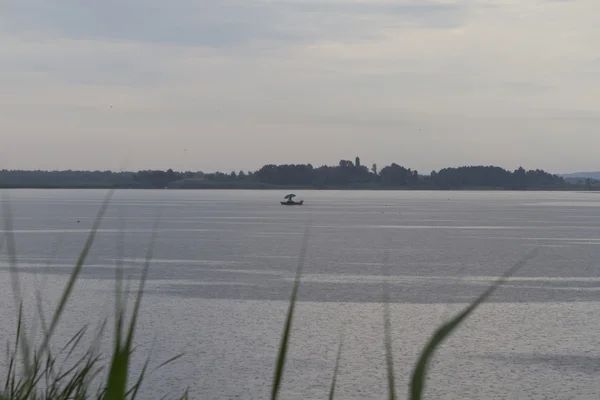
<point>357,162</point>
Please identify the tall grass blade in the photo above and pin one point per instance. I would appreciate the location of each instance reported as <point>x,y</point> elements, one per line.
<point>74,342</point>
<point>132,393</point>
<point>76,271</point>
<point>45,275</point>
<point>41,313</point>
<point>10,376</point>
<point>387,330</point>
<point>11,250</point>
<point>419,376</point>
<point>283,346</point>
<point>120,303</point>
<point>116,387</point>
<point>336,368</point>
<point>117,378</point>
<point>169,361</point>
<point>8,238</point>
<point>138,300</point>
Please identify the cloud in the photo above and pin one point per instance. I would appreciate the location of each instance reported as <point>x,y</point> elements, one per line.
<point>222,23</point>
<point>236,74</point>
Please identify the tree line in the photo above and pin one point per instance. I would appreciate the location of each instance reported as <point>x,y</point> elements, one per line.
<point>346,174</point>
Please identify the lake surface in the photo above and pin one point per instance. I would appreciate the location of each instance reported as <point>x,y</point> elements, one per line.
<point>224,264</point>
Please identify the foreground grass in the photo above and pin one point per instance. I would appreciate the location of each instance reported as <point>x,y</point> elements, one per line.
<point>419,375</point>
<point>44,372</point>
<point>36,373</point>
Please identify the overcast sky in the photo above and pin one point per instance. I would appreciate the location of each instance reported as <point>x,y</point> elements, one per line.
<point>235,84</point>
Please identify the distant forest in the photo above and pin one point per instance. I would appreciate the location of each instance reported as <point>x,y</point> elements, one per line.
<point>345,175</point>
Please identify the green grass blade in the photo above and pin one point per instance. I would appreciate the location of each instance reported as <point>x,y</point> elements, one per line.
<point>169,361</point>
<point>76,271</point>
<point>132,394</point>
<point>74,342</point>
<point>95,345</point>
<point>11,249</point>
<point>281,357</point>
<point>138,300</point>
<point>419,376</point>
<point>336,369</point>
<point>45,275</point>
<point>120,301</point>
<point>11,356</point>
<point>117,379</point>
<point>41,314</point>
<point>116,387</point>
<point>387,330</point>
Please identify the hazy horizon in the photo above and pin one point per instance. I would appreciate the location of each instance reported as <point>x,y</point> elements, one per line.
<point>567,174</point>
<point>234,85</point>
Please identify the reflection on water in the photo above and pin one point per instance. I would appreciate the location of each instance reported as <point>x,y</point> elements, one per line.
<point>224,264</point>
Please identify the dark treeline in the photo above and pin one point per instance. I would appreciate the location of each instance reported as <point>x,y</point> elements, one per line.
<point>346,174</point>
<point>396,176</point>
<point>60,179</point>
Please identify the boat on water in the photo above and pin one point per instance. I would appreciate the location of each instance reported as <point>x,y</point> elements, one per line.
<point>289,200</point>
<point>292,203</point>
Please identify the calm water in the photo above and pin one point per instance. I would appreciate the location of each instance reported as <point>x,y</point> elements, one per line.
<point>225,260</point>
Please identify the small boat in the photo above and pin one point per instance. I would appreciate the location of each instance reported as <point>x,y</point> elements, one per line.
<point>290,202</point>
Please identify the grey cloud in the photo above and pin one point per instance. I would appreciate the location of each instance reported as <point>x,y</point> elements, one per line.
<point>424,14</point>
<point>205,22</point>
<point>221,23</point>
<point>90,69</point>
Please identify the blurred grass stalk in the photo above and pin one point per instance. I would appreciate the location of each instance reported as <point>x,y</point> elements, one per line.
<point>336,368</point>
<point>419,376</point>
<point>287,329</point>
<point>387,329</point>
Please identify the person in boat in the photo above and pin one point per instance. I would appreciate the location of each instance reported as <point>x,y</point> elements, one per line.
<point>290,201</point>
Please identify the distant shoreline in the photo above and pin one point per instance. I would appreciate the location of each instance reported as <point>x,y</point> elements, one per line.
<point>347,175</point>
<point>297,188</point>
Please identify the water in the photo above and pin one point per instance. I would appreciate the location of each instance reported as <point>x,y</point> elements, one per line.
<point>224,265</point>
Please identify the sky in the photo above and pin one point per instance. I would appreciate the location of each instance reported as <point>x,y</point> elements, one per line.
<point>235,84</point>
